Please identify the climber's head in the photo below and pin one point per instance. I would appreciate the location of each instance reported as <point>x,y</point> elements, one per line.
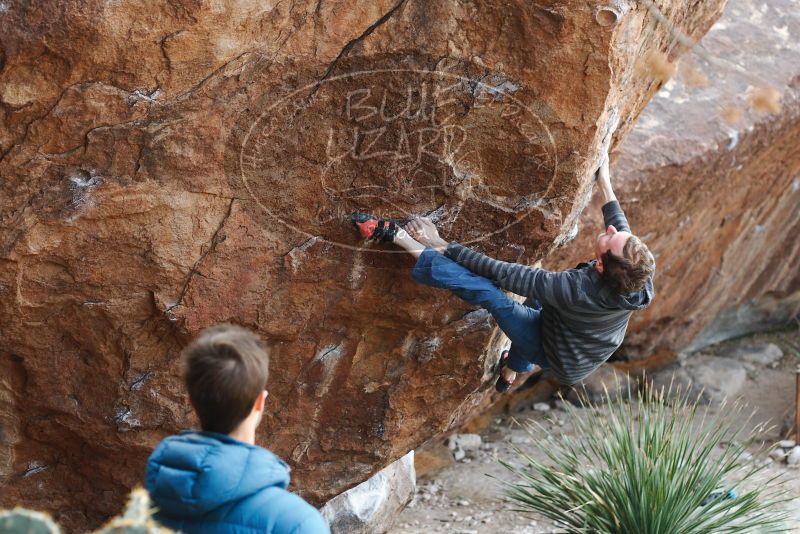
<point>623,260</point>
<point>225,370</point>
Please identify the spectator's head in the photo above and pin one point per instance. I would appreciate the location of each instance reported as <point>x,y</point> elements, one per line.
<point>624,262</point>
<point>225,370</point>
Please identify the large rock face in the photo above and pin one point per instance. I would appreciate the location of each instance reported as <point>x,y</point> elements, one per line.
<point>168,167</point>
<point>716,199</point>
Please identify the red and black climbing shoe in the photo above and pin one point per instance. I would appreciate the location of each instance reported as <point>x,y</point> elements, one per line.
<point>502,385</point>
<point>372,228</point>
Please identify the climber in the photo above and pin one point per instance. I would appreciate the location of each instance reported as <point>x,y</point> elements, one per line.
<point>571,322</point>
<point>217,480</point>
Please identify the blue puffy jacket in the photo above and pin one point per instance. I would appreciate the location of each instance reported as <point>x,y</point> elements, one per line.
<point>203,482</point>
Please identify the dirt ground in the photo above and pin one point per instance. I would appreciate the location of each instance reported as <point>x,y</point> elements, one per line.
<point>463,498</point>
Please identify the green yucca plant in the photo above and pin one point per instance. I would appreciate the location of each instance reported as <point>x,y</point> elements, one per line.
<point>655,466</point>
<point>22,521</point>
<point>137,519</point>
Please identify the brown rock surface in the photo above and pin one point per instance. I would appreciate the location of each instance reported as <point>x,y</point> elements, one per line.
<point>718,203</point>
<point>167,167</point>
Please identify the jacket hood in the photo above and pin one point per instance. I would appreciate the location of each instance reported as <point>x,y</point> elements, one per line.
<point>193,473</point>
<point>629,301</point>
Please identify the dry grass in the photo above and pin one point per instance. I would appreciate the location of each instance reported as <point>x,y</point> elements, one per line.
<point>731,113</point>
<point>657,65</point>
<point>692,76</point>
<point>764,99</point>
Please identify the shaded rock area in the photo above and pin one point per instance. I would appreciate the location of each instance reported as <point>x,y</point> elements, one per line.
<point>710,179</point>
<point>168,167</point>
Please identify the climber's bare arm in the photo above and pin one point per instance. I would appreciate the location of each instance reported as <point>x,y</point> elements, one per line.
<point>424,231</point>
<point>604,181</point>
<point>408,243</point>
<point>418,234</point>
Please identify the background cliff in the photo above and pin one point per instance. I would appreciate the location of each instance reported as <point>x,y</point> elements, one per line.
<point>710,179</point>
<point>170,166</point>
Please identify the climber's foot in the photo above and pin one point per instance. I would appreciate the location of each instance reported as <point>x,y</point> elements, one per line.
<point>372,228</point>
<point>424,231</point>
<point>506,376</point>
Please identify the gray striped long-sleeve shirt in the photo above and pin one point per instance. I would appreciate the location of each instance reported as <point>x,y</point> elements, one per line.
<point>583,321</point>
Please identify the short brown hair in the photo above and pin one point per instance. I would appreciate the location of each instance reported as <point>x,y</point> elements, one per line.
<point>225,369</point>
<point>630,272</point>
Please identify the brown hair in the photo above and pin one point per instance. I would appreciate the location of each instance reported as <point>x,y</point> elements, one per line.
<point>225,369</point>
<point>630,272</point>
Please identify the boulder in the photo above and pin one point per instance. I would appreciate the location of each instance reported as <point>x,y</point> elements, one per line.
<point>712,379</point>
<point>606,383</point>
<point>169,167</point>
<point>764,354</point>
<point>720,378</point>
<point>675,382</point>
<point>373,506</point>
<point>710,179</point>
<point>431,458</point>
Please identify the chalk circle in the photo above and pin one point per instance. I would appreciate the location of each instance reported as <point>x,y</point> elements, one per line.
<point>265,144</point>
<point>606,16</point>
<point>610,14</point>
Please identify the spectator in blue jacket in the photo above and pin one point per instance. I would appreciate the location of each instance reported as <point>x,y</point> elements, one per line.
<point>217,480</point>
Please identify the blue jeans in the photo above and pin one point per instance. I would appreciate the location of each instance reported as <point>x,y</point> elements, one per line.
<point>520,322</point>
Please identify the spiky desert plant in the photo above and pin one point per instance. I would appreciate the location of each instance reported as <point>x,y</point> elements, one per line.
<point>137,518</point>
<point>22,521</point>
<point>662,465</point>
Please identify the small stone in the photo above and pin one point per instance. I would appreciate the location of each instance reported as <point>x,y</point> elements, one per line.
<point>465,441</point>
<point>560,405</point>
<point>459,454</point>
<point>786,444</point>
<point>794,456</point>
<point>463,502</point>
<point>541,407</point>
<point>520,440</point>
<point>453,514</point>
<point>777,454</point>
